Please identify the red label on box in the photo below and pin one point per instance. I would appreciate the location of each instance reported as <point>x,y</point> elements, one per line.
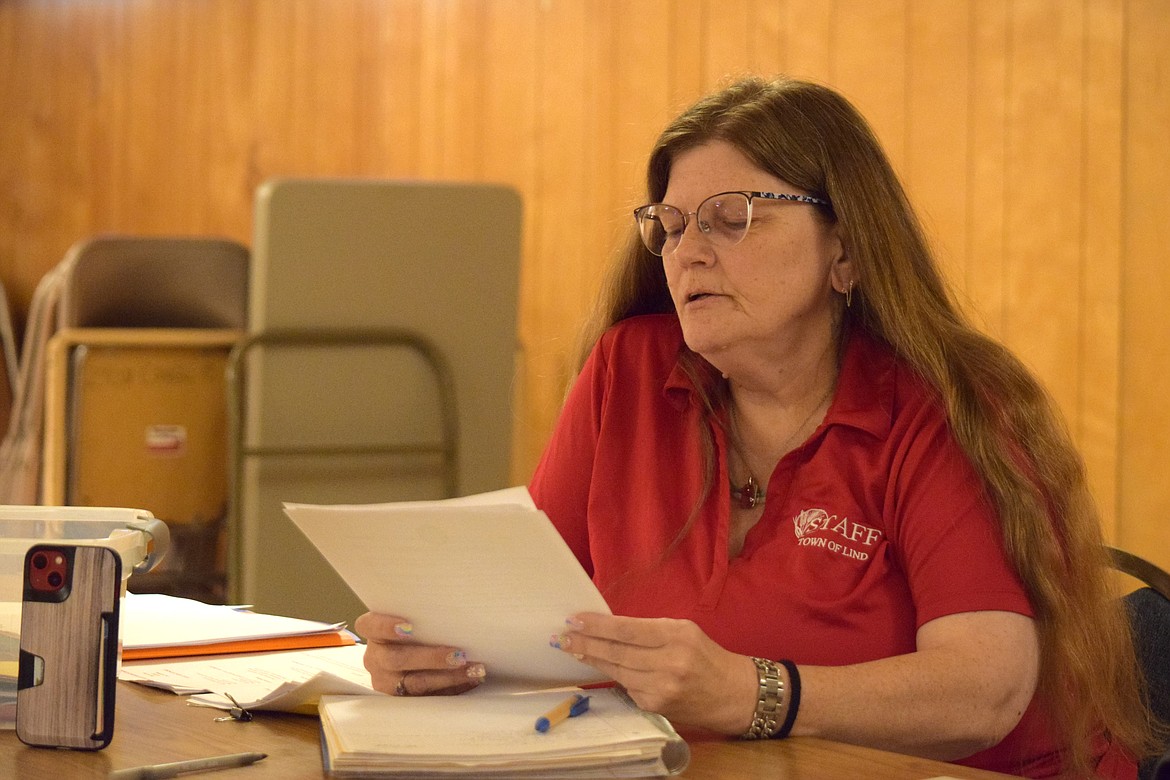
<point>166,440</point>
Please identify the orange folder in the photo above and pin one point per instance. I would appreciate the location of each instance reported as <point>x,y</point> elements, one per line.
<point>299,642</point>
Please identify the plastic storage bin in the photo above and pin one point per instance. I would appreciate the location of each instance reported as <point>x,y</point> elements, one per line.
<point>140,539</point>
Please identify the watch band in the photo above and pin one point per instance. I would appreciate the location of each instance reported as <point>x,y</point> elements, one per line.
<point>765,722</point>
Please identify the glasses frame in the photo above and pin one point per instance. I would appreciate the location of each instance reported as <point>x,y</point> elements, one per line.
<point>751,195</point>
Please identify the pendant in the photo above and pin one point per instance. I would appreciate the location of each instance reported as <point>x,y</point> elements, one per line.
<point>749,495</point>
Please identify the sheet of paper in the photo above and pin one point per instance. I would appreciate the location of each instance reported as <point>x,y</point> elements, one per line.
<point>299,697</point>
<point>254,679</point>
<point>153,620</point>
<point>488,573</point>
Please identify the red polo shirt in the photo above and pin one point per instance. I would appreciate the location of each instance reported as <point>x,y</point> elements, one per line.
<point>874,526</point>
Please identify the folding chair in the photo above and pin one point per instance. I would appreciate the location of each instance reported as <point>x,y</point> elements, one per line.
<point>135,391</point>
<point>1149,615</point>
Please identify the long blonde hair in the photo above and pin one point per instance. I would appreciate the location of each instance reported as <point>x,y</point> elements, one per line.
<point>814,139</point>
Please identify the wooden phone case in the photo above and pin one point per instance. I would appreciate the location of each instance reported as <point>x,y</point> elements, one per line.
<point>69,651</point>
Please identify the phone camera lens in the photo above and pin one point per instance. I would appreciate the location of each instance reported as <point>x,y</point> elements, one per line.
<point>55,579</point>
<point>40,560</point>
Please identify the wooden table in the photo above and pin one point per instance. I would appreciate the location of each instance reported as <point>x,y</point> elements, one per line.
<point>154,727</point>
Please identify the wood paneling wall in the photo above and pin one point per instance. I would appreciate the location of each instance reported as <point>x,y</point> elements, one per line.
<point>1030,132</point>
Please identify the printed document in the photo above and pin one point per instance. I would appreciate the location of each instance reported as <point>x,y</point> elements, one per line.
<point>287,680</point>
<point>159,626</point>
<point>487,573</point>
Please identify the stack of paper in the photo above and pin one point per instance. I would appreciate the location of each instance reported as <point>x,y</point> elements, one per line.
<point>486,573</point>
<point>158,626</point>
<point>286,681</point>
<point>188,647</point>
<point>495,736</point>
<point>489,574</point>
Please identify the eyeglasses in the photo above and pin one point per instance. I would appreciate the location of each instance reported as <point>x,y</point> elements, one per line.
<point>723,218</point>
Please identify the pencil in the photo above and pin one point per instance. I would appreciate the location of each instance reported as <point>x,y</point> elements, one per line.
<point>180,767</point>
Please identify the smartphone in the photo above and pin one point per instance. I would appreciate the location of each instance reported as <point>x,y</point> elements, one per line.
<point>67,674</point>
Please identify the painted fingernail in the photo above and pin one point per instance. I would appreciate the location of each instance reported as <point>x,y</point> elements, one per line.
<point>573,622</point>
<point>456,658</point>
<point>559,641</point>
<point>476,671</point>
<point>403,630</point>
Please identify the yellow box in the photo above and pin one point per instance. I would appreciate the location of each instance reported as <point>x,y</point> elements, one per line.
<point>138,417</point>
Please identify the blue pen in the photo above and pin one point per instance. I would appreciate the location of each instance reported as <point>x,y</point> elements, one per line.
<point>575,705</point>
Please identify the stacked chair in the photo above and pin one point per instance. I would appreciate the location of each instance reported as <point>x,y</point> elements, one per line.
<point>122,399</point>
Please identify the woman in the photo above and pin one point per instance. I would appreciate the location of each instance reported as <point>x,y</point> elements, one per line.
<point>816,499</point>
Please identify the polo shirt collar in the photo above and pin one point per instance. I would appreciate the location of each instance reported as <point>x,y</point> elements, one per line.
<point>865,385</point>
<point>679,389</point>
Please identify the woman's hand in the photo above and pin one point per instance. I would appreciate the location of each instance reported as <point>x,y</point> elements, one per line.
<point>399,665</point>
<point>668,666</point>
<point>963,690</point>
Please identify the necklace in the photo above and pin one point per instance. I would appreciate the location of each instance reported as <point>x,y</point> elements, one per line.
<point>751,494</point>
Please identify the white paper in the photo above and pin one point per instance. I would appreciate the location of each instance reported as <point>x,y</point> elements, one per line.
<point>301,697</point>
<point>282,680</point>
<point>488,574</point>
<point>154,620</point>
